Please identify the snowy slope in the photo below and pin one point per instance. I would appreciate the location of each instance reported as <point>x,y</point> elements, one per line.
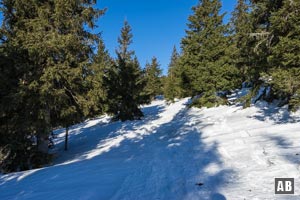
<point>174,153</point>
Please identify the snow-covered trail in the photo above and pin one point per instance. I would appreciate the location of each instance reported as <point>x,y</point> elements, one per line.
<point>174,153</point>
<point>171,163</point>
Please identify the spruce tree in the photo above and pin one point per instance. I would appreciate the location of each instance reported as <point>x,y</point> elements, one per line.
<point>126,81</point>
<point>259,45</point>
<point>260,39</point>
<point>65,52</point>
<point>97,93</point>
<point>52,51</point>
<point>284,57</point>
<point>273,49</point>
<point>20,103</point>
<point>241,27</point>
<point>152,76</point>
<point>206,60</point>
<point>172,85</point>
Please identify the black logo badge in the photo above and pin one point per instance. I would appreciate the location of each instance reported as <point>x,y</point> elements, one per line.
<point>284,186</point>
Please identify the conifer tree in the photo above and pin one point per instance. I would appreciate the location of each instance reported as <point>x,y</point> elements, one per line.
<point>284,57</point>
<point>20,102</point>
<point>69,47</point>
<point>97,93</point>
<point>242,28</point>
<point>51,49</point>
<point>273,49</point>
<point>13,143</point>
<point>172,86</point>
<point>261,38</point>
<point>152,76</point>
<point>206,61</point>
<point>125,81</point>
<point>258,48</point>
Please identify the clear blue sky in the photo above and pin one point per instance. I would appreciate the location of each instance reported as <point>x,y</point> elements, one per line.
<point>157,25</point>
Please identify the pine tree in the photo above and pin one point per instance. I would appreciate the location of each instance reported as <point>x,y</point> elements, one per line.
<point>284,57</point>
<point>172,86</point>
<point>20,103</point>
<point>69,46</point>
<point>152,76</point>
<point>97,93</point>
<point>206,61</point>
<point>51,49</point>
<point>241,25</point>
<point>261,38</point>
<point>8,111</point>
<point>126,81</point>
<point>273,50</point>
<point>259,44</point>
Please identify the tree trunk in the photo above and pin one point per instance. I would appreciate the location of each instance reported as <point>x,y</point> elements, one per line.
<point>42,143</point>
<point>44,132</point>
<point>66,138</point>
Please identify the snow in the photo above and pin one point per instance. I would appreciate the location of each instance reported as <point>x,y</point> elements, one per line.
<point>173,153</point>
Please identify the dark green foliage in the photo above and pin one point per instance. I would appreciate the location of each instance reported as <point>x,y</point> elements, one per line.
<point>209,100</point>
<point>260,38</point>
<point>97,93</point>
<point>20,101</point>
<point>284,59</point>
<point>126,81</point>
<point>241,41</point>
<point>173,82</point>
<point>286,31</point>
<point>206,59</point>
<point>286,86</point>
<point>45,52</point>
<point>152,76</point>
<point>274,53</point>
<point>18,153</point>
<point>247,99</point>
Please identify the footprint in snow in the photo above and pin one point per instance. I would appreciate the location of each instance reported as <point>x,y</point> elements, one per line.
<point>199,184</point>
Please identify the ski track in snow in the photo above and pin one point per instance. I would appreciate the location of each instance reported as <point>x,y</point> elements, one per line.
<point>173,153</point>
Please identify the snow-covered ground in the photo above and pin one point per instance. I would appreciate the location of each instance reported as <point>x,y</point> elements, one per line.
<point>173,153</point>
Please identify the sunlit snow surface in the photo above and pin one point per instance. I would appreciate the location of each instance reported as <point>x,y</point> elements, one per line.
<point>173,153</point>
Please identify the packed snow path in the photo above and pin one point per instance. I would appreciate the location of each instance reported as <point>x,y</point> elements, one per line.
<point>173,153</point>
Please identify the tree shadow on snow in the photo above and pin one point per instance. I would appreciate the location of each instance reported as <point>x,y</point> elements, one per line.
<point>288,150</point>
<point>271,112</point>
<point>85,137</point>
<point>133,160</point>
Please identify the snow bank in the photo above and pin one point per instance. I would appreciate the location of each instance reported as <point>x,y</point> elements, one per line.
<point>173,153</point>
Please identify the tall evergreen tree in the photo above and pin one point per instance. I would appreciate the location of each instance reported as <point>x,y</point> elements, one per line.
<point>52,49</point>
<point>261,38</point>
<point>273,50</point>
<point>284,57</point>
<point>152,76</point>
<point>258,48</point>
<point>207,63</point>
<point>241,27</point>
<point>21,104</point>
<point>172,85</point>
<point>15,127</point>
<point>97,93</point>
<point>69,46</point>
<point>125,81</point>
